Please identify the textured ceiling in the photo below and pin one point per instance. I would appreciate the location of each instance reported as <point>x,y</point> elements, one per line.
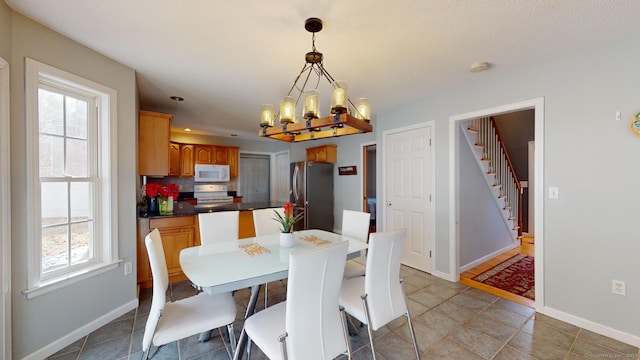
<point>228,57</point>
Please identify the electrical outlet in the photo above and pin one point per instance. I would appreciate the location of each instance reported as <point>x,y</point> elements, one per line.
<point>128,268</point>
<point>619,287</point>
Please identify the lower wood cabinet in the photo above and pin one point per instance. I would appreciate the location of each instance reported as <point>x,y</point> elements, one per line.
<point>177,233</point>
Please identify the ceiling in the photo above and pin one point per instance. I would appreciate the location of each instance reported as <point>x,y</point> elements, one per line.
<point>226,58</point>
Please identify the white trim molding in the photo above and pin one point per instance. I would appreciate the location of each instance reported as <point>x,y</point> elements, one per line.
<point>5,213</point>
<point>454,240</point>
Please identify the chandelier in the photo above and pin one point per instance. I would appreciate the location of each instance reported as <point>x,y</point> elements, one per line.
<point>347,117</point>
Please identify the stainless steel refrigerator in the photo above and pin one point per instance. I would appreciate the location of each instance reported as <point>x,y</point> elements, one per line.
<point>312,194</point>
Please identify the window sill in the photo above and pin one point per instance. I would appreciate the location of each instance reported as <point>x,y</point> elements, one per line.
<point>47,287</point>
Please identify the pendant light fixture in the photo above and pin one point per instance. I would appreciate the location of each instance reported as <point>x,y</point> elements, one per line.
<point>346,118</point>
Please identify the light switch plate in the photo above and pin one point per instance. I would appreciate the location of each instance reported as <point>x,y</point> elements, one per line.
<point>554,193</point>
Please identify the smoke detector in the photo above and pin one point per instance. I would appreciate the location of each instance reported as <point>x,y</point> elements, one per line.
<point>479,66</point>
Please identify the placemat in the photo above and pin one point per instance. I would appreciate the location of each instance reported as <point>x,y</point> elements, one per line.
<point>254,249</point>
<point>315,240</point>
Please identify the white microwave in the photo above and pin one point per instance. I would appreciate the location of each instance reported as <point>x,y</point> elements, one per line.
<point>211,173</point>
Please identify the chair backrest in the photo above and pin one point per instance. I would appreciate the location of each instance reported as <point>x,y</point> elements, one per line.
<point>382,277</point>
<point>155,250</point>
<point>218,226</point>
<point>313,318</point>
<point>264,221</point>
<point>355,224</point>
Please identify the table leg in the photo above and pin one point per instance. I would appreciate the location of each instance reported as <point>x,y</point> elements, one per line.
<point>251,309</point>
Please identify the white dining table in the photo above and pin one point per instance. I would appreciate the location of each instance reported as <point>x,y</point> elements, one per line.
<point>251,262</point>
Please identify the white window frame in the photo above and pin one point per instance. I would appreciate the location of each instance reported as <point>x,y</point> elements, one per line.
<point>106,229</point>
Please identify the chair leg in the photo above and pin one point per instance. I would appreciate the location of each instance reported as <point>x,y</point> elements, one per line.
<point>232,339</point>
<point>413,336</point>
<point>266,285</point>
<point>365,304</point>
<point>282,339</point>
<point>345,330</point>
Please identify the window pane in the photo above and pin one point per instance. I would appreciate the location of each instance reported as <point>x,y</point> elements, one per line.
<point>50,112</point>
<point>77,158</point>
<point>51,156</point>
<point>76,118</point>
<point>81,201</point>
<point>80,247</point>
<point>54,203</point>
<point>55,248</point>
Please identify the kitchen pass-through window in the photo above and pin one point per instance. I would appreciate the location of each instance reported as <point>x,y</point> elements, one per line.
<point>71,178</point>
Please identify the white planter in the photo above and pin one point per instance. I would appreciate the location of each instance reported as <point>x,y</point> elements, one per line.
<point>286,240</point>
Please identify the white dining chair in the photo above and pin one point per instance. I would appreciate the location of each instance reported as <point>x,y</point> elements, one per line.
<point>310,324</point>
<point>264,223</point>
<point>379,297</point>
<point>355,225</point>
<point>218,226</point>
<point>172,321</point>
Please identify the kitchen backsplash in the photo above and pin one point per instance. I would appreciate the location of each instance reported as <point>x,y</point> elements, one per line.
<point>186,184</point>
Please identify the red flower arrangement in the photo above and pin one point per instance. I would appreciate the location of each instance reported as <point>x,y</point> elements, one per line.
<point>155,189</point>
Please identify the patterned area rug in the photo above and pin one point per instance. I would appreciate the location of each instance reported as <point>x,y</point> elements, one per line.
<point>515,275</point>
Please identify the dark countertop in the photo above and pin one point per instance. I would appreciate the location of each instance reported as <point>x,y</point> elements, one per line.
<point>186,209</point>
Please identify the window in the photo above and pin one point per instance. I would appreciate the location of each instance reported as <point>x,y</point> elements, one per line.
<point>71,172</point>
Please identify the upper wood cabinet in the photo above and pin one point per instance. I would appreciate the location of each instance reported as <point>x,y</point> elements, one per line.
<point>181,158</point>
<point>154,132</point>
<point>233,162</point>
<point>187,156</point>
<point>174,159</point>
<point>204,154</point>
<point>212,154</point>
<point>324,153</point>
<point>220,155</point>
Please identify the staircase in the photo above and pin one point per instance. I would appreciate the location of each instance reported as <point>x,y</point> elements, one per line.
<point>484,139</point>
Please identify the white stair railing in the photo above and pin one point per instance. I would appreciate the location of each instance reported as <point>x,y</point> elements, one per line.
<point>505,180</point>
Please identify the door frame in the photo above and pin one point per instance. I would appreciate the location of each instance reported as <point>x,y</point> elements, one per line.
<point>5,213</point>
<point>383,194</point>
<point>363,165</point>
<point>454,240</point>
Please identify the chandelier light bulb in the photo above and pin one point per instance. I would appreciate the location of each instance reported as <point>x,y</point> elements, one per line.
<point>267,114</point>
<point>339,99</point>
<point>311,105</point>
<point>287,110</point>
<point>363,109</point>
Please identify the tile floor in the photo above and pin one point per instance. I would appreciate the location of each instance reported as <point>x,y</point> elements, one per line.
<point>451,321</point>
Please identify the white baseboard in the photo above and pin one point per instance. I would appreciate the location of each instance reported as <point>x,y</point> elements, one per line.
<point>85,330</point>
<point>486,257</point>
<point>443,275</point>
<point>591,326</point>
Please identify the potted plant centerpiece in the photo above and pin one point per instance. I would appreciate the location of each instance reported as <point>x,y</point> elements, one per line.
<point>287,221</point>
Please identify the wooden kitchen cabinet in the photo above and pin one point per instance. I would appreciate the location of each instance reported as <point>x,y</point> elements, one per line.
<point>220,155</point>
<point>203,154</point>
<point>174,159</point>
<point>177,233</point>
<point>187,156</point>
<point>233,162</point>
<point>324,153</point>
<point>154,132</point>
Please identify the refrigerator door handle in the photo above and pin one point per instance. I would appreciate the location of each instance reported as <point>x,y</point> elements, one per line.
<point>296,170</point>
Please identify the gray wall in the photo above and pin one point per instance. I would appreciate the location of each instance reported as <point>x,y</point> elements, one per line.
<point>47,318</point>
<point>590,234</point>
<point>482,228</point>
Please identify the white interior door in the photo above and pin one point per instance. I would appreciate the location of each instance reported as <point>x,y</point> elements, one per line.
<point>408,191</point>
<point>282,176</point>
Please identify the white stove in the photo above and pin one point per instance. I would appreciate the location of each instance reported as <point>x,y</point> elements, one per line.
<point>211,195</point>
